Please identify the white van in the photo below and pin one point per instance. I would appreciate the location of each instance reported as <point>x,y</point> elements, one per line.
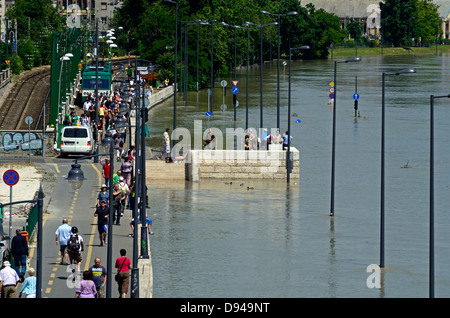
<point>77,140</point>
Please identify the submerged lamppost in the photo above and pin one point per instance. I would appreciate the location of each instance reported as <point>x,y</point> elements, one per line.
<point>404,71</point>
<point>278,16</point>
<point>261,71</point>
<point>175,68</point>
<point>289,162</point>
<point>431,271</point>
<point>333,146</point>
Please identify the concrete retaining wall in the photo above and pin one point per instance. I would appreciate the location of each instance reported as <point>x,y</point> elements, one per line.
<point>241,164</point>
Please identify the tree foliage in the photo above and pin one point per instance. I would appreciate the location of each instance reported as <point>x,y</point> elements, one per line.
<point>149,31</point>
<point>36,21</point>
<point>404,20</point>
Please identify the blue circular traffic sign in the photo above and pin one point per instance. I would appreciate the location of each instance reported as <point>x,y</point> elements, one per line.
<point>235,90</point>
<point>11,177</point>
<point>356,96</point>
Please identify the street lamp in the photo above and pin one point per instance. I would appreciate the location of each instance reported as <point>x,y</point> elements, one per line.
<point>288,154</point>
<point>431,271</point>
<point>401,72</point>
<point>186,56</point>
<point>212,24</point>
<point>65,57</point>
<point>333,147</point>
<point>278,16</point>
<point>76,177</point>
<point>261,71</point>
<point>246,24</point>
<point>175,67</point>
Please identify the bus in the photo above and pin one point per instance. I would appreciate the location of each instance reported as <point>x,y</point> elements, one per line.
<point>88,78</point>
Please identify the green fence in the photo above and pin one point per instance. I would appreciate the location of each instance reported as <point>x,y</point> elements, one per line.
<point>63,72</point>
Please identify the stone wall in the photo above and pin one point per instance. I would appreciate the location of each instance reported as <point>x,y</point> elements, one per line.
<point>241,164</point>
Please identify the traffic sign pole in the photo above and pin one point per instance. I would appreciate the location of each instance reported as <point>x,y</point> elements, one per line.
<point>10,177</point>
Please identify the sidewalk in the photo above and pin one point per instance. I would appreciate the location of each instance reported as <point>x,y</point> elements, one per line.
<point>35,175</point>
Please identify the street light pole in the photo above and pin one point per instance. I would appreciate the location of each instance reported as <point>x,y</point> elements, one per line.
<point>278,16</point>
<point>246,24</point>
<point>404,71</point>
<point>261,72</point>
<point>212,23</point>
<point>143,210</point>
<point>175,68</point>
<point>333,146</point>
<point>431,256</point>
<point>288,153</point>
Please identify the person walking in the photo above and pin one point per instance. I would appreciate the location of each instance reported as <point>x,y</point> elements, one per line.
<point>125,193</point>
<point>86,288</point>
<point>75,246</point>
<point>8,281</point>
<point>19,250</point>
<point>118,146</point>
<point>126,170</point>
<point>106,166</point>
<point>62,235</point>
<point>99,277</point>
<point>166,144</point>
<point>123,264</point>
<point>103,195</point>
<point>102,213</point>
<point>29,285</point>
<point>118,197</point>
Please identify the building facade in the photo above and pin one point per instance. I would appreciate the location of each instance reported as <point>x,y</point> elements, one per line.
<point>4,6</point>
<point>368,13</point>
<point>82,11</point>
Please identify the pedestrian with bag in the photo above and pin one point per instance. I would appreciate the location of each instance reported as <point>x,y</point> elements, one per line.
<point>75,246</point>
<point>123,264</point>
<point>86,289</point>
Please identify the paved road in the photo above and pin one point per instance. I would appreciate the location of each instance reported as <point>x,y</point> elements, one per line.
<point>78,207</point>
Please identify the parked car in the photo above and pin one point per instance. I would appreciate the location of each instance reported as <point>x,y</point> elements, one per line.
<point>77,140</point>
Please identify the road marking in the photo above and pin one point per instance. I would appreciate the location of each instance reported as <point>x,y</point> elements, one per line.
<point>94,223</point>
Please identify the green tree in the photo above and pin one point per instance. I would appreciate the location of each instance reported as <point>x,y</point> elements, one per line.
<point>150,33</point>
<point>428,21</point>
<point>36,21</point>
<point>398,21</point>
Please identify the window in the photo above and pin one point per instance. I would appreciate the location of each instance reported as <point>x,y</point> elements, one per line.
<point>75,133</point>
<point>90,83</point>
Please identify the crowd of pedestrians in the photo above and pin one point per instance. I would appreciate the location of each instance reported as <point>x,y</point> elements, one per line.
<point>91,283</point>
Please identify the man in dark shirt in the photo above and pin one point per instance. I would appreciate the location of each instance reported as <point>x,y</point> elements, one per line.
<point>19,250</point>
<point>98,277</point>
<point>102,213</point>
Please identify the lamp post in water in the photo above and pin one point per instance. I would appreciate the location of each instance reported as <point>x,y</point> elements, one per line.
<point>289,162</point>
<point>278,16</point>
<point>431,271</point>
<point>404,71</point>
<point>333,146</point>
